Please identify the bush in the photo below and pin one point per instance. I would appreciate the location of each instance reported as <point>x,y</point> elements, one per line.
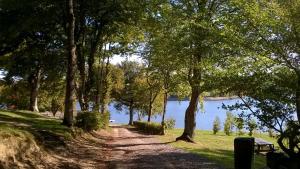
<point>271,133</point>
<point>216,125</point>
<point>251,126</point>
<point>149,128</point>
<point>56,105</point>
<point>89,121</point>
<point>239,123</point>
<point>170,123</point>
<point>104,120</point>
<point>229,123</point>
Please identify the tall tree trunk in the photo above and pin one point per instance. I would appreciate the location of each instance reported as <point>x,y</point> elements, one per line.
<point>139,118</point>
<point>130,114</point>
<point>298,98</point>
<point>82,74</point>
<point>164,111</point>
<point>190,117</point>
<point>71,55</point>
<point>150,107</point>
<point>99,84</point>
<point>107,88</point>
<point>34,81</point>
<point>95,44</point>
<point>79,36</point>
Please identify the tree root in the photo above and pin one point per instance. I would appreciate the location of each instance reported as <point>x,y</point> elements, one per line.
<point>185,137</point>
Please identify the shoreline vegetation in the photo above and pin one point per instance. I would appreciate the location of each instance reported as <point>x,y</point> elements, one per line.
<point>206,98</point>
<point>210,98</point>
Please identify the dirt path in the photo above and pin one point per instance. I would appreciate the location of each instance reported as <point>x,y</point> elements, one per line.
<point>124,148</point>
<point>129,149</point>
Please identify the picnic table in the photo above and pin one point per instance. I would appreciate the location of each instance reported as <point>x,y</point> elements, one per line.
<point>263,146</point>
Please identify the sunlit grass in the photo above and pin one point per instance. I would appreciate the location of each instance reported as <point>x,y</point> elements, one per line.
<point>32,122</point>
<point>218,148</point>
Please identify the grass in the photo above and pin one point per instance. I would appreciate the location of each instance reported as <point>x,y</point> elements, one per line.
<point>33,123</point>
<point>218,148</point>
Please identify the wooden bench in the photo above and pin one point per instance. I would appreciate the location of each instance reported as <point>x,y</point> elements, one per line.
<point>263,146</point>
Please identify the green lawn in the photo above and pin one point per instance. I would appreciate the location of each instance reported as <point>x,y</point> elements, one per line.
<point>218,148</point>
<point>33,123</point>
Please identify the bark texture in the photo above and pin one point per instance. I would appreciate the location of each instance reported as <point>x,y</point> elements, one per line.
<point>71,66</point>
<point>190,117</point>
<point>164,112</point>
<point>34,81</point>
<point>131,114</point>
<point>298,99</point>
<point>150,107</point>
<point>190,114</point>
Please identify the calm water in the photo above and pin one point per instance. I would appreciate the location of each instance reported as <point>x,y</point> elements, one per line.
<point>176,110</point>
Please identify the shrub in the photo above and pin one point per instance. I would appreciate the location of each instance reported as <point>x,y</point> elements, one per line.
<point>216,125</point>
<point>229,123</point>
<point>149,128</point>
<point>104,120</point>
<point>56,105</point>
<point>89,121</point>
<point>239,123</point>
<point>170,123</point>
<point>271,133</point>
<point>251,126</point>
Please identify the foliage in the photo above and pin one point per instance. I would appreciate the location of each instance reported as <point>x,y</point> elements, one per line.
<point>216,125</point>
<point>252,125</point>
<point>229,123</point>
<point>56,106</point>
<point>148,127</point>
<point>89,121</point>
<point>131,94</point>
<point>239,124</point>
<point>266,73</point>
<point>170,123</point>
<point>15,96</point>
<point>271,133</point>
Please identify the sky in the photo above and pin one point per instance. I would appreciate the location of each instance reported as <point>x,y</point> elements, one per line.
<point>116,59</point>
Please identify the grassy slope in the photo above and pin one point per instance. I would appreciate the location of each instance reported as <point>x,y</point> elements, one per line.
<point>22,133</point>
<point>218,147</point>
<point>32,123</point>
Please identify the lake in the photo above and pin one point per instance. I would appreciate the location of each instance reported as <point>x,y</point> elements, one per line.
<point>176,110</point>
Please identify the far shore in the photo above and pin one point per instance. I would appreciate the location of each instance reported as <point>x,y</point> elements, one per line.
<point>209,98</point>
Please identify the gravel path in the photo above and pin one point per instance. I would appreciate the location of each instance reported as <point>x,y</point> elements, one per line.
<point>128,149</point>
<point>122,148</point>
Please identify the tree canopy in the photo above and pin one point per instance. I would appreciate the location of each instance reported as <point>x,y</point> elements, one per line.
<point>52,51</point>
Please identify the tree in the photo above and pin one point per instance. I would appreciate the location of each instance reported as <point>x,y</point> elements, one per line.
<point>239,124</point>
<point>192,40</point>
<point>216,125</point>
<point>130,95</point>
<point>162,62</point>
<point>229,123</point>
<point>252,125</point>
<point>28,50</point>
<point>267,34</point>
<point>100,24</point>
<point>71,65</point>
<point>153,89</point>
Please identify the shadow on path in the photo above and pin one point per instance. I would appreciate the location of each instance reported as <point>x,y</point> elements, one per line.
<point>138,150</point>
